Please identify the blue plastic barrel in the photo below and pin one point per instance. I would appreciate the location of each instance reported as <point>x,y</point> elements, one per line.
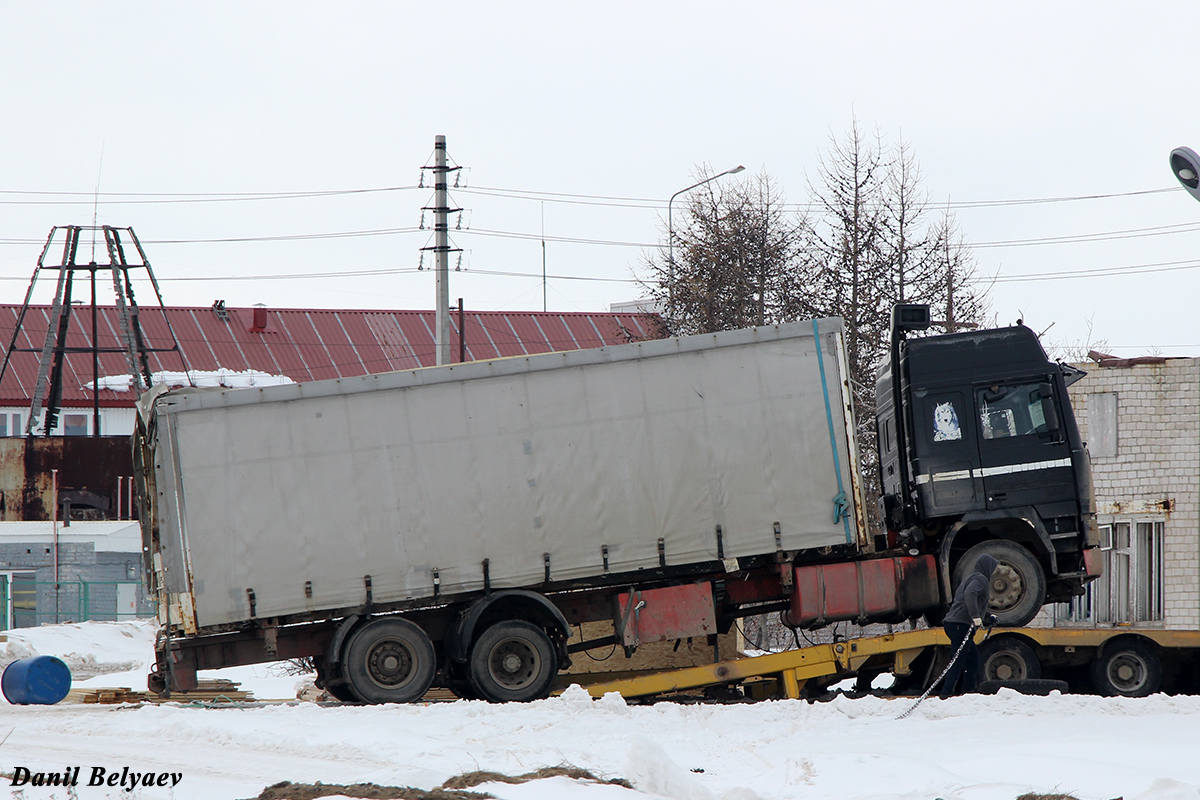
<point>37,681</point>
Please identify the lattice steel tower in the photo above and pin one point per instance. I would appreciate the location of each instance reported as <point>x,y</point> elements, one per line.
<point>130,337</point>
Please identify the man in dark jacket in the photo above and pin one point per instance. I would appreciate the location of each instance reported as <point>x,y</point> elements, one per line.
<point>968,612</point>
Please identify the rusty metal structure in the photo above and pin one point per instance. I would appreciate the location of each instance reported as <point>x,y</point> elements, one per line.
<point>59,342</point>
<point>95,478</point>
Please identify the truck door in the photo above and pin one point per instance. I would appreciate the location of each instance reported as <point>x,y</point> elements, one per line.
<point>946,455</point>
<point>1025,459</point>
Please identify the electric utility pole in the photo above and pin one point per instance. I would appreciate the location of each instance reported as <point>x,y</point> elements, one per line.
<point>441,247</point>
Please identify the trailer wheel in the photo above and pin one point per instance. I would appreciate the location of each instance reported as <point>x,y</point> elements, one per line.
<point>1018,586</point>
<point>1006,659</point>
<point>1128,668</point>
<point>389,660</point>
<point>512,661</point>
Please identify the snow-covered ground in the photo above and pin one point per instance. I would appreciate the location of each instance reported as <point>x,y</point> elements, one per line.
<point>969,748</point>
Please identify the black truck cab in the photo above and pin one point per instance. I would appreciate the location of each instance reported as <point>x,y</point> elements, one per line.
<point>985,456</point>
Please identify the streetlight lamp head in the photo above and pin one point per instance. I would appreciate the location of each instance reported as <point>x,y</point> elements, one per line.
<point>1186,166</point>
<point>736,169</point>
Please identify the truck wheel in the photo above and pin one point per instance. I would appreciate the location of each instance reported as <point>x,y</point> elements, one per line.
<point>512,661</point>
<point>389,660</point>
<point>1018,586</point>
<point>1007,659</point>
<point>1129,668</point>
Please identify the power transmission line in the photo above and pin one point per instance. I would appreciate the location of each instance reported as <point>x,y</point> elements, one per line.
<point>1102,236</point>
<point>1102,272</point>
<point>139,198</point>
<point>162,198</point>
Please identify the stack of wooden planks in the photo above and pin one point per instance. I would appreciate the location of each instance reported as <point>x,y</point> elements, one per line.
<point>207,692</point>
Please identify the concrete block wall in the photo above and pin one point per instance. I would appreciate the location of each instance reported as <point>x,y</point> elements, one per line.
<point>77,562</point>
<point>1157,460</point>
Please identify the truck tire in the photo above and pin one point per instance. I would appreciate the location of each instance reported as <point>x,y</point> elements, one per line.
<point>1128,668</point>
<point>1006,659</point>
<point>388,660</point>
<point>512,661</point>
<point>1018,586</point>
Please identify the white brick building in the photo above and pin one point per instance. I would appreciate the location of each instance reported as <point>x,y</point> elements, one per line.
<point>1141,420</point>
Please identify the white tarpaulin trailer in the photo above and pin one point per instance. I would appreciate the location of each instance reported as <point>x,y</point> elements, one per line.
<point>292,495</point>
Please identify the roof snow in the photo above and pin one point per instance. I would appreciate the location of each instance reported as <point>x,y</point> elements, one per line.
<point>225,378</point>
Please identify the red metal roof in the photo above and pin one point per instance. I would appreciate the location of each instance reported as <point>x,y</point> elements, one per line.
<point>303,344</point>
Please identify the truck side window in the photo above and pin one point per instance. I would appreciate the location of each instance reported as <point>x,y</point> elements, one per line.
<point>1011,411</point>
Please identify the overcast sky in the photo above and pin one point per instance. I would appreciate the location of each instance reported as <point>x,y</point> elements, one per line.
<point>552,108</point>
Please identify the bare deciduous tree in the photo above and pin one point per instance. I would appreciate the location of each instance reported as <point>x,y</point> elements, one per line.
<point>734,251</point>
<point>872,240</point>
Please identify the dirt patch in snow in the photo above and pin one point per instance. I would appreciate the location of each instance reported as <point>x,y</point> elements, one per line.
<point>457,788</point>
<point>286,790</point>
<point>470,779</point>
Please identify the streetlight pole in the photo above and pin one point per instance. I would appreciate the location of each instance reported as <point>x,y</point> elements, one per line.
<point>671,233</point>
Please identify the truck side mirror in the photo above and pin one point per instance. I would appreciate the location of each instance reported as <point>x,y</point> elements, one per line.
<point>910,317</point>
<point>1049,409</point>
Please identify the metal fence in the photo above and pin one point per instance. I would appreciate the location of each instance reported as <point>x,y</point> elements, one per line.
<point>25,604</point>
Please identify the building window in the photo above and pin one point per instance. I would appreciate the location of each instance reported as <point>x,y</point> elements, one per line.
<point>1079,609</point>
<point>1102,424</point>
<point>1131,589</point>
<point>75,425</point>
<point>15,430</point>
<point>1148,560</point>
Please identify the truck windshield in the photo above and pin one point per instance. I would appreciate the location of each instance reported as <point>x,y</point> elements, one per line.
<point>1010,411</point>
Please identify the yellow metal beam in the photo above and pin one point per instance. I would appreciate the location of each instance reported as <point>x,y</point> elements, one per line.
<point>791,686</point>
<point>795,666</point>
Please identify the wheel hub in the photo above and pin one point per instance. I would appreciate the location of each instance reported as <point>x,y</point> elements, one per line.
<point>1007,587</point>
<point>390,663</point>
<point>514,663</point>
<point>1127,672</point>
<point>1005,667</point>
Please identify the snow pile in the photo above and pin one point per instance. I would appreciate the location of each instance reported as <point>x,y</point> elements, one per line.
<point>224,378</point>
<point>87,648</point>
<point>967,748</point>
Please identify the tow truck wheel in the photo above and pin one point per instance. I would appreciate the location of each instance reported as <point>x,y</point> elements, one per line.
<point>1007,658</point>
<point>1018,586</point>
<point>1128,668</point>
<point>512,661</point>
<point>389,660</point>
